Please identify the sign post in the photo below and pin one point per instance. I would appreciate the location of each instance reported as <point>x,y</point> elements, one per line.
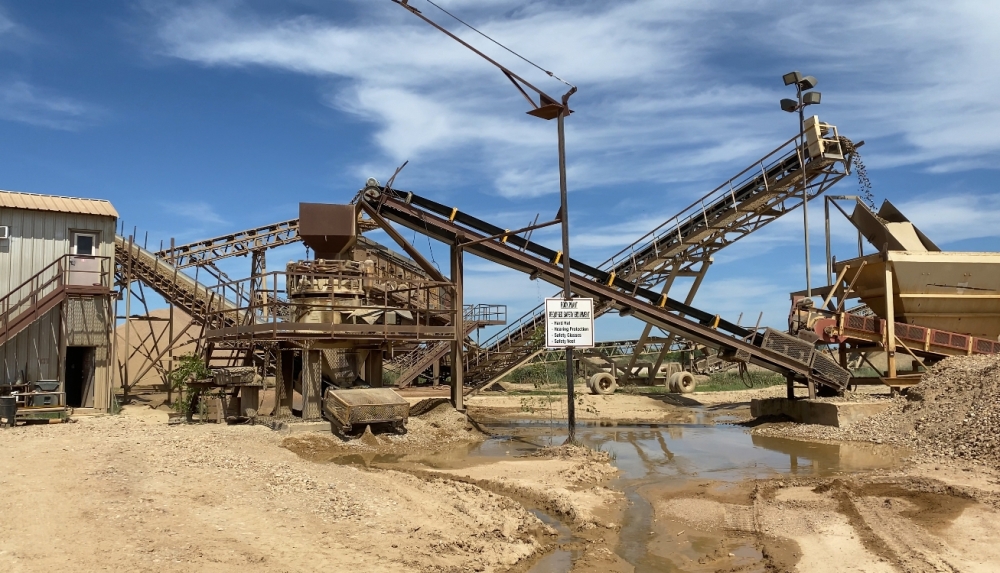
<point>569,323</point>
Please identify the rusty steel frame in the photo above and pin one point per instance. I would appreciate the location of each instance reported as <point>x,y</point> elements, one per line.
<point>224,324</point>
<point>683,246</point>
<point>239,244</point>
<point>425,216</point>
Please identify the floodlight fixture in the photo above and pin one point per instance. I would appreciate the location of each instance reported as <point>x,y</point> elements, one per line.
<point>792,78</point>
<point>803,97</point>
<point>811,98</point>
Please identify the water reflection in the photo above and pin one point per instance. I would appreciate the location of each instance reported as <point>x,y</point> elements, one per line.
<point>687,450</point>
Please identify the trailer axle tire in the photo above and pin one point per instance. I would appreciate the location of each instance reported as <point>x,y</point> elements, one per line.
<point>602,383</point>
<point>682,382</point>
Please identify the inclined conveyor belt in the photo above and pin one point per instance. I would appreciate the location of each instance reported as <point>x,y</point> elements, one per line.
<point>452,226</point>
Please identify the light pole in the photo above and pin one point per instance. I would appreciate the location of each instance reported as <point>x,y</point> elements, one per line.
<point>803,97</point>
<point>547,108</point>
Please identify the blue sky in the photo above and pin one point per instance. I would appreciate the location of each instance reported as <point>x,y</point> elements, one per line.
<point>201,118</point>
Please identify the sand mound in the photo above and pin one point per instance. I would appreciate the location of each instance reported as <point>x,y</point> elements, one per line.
<point>955,410</point>
<point>954,413</point>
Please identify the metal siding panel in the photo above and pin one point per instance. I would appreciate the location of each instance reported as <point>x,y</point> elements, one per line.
<point>35,349</point>
<point>38,238</point>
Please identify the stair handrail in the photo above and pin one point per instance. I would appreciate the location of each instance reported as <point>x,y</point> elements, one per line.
<point>35,289</point>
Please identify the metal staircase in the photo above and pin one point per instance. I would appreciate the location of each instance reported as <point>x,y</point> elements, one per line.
<point>756,196</point>
<point>414,363</point>
<point>161,271</point>
<point>69,275</point>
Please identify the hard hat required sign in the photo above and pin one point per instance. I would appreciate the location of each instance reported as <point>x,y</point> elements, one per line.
<point>569,323</point>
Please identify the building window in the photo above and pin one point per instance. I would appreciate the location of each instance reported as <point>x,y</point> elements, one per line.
<point>84,244</point>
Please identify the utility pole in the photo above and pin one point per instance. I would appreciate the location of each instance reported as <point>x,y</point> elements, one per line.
<point>567,291</point>
<point>547,108</point>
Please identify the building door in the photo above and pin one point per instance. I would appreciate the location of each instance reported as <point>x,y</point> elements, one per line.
<point>80,365</point>
<point>84,269</point>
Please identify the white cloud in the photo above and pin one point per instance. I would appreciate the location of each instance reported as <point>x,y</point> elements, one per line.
<point>194,212</point>
<point>23,102</point>
<point>954,217</point>
<point>673,96</point>
<point>658,100</point>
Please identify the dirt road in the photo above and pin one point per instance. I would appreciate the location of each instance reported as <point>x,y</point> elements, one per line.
<point>661,487</point>
<point>130,493</point>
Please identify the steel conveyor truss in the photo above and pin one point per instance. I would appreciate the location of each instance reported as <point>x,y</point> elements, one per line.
<point>482,239</point>
<point>161,271</point>
<point>756,196</point>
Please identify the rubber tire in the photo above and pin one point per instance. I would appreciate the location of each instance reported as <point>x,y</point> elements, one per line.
<point>683,382</point>
<point>602,384</point>
<point>671,387</point>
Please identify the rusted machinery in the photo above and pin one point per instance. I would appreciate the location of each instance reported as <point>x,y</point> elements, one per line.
<point>927,302</point>
<point>333,318</point>
<point>347,409</point>
<point>466,233</point>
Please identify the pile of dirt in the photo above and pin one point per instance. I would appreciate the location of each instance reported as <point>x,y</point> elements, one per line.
<point>589,467</point>
<point>955,410</point>
<point>954,413</point>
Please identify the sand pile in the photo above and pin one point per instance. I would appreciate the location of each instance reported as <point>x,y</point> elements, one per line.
<point>954,412</point>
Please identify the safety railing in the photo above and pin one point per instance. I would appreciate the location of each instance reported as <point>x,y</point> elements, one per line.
<point>68,273</point>
<point>700,214</point>
<point>337,304</point>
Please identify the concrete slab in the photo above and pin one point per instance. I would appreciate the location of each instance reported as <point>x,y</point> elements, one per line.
<point>837,414</point>
<point>301,427</point>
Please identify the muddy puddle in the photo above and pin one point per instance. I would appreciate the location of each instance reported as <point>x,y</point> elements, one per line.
<point>657,462</point>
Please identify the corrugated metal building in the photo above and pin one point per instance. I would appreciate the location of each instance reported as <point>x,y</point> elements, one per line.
<point>56,315</point>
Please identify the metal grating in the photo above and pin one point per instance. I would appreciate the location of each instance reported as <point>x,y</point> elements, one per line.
<point>941,338</point>
<point>910,332</point>
<point>863,323</point>
<point>984,346</point>
<point>826,368</point>
<point>787,345</point>
<point>855,322</point>
<point>959,341</point>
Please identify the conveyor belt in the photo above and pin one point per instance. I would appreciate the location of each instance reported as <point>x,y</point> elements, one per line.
<point>764,191</point>
<point>451,226</point>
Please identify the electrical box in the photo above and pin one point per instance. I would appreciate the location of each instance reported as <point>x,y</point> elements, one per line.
<point>4,232</point>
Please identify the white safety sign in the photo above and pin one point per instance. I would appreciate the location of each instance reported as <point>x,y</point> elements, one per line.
<point>569,323</point>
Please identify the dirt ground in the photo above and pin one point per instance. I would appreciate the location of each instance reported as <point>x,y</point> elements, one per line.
<point>132,493</point>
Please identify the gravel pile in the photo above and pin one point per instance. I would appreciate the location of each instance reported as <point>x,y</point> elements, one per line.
<point>954,412</point>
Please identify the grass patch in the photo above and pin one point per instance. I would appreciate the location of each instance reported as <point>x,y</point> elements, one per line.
<point>718,382</point>
<point>726,381</point>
